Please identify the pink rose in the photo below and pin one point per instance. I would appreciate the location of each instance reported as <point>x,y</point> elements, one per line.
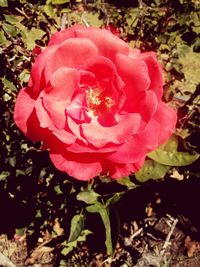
<point>95,104</point>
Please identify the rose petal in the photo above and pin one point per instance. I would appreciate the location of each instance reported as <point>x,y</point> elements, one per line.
<point>43,116</point>
<point>102,67</point>
<point>99,136</point>
<point>121,170</point>
<point>167,118</point>
<point>108,44</point>
<point>140,144</point>
<point>83,167</point>
<point>71,53</point>
<point>57,98</point>
<point>23,108</point>
<point>64,136</point>
<point>134,73</point>
<point>155,72</point>
<point>134,53</point>
<point>75,128</point>
<point>37,78</point>
<point>75,108</point>
<point>59,37</point>
<point>82,148</point>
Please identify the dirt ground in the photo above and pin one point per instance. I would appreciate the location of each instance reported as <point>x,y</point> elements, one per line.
<point>162,230</point>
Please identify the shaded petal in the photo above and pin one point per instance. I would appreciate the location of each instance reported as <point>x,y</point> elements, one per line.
<point>82,167</point>
<point>75,108</point>
<point>102,67</point>
<point>121,170</point>
<point>82,148</point>
<point>87,78</point>
<point>155,72</point>
<point>99,136</point>
<point>23,108</point>
<point>75,128</point>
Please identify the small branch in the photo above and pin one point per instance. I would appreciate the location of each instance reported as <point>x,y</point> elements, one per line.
<point>63,21</point>
<point>5,261</point>
<point>85,21</point>
<point>167,243</point>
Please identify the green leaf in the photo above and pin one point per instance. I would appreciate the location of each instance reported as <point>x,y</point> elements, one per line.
<point>126,182</point>
<point>48,9</point>
<point>3,3</point>
<point>12,161</point>
<point>104,213</point>
<point>77,225</point>
<point>20,231</point>
<point>88,197</point>
<point>33,35</point>
<point>171,144</point>
<point>11,19</point>
<point>8,84</point>
<point>4,175</point>
<point>173,158</point>
<point>3,40</point>
<point>10,29</point>
<point>95,208</point>
<point>58,190</point>
<point>114,198</point>
<point>151,170</point>
<point>24,76</point>
<point>59,2</point>
<point>69,246</point>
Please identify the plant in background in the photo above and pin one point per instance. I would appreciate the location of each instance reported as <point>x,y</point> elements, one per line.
<point>96,106</point>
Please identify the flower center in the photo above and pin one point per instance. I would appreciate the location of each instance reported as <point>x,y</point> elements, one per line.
<point>97,102</point>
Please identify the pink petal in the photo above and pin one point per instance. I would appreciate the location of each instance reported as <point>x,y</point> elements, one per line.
<point>167,118</point>
<point>59,37</point>
<point>37,78</point>
<point>72,53</point>
<point>131,152</point>
<point>140,144</point>
<point>108,44</point>
<point>87,78</point>
<point>75,128</point>
<point>64,136</point>
<point>134,53</point>
<point>57,98</point>
<point>102,67</point>
<point>155,72</point>
<point>82,148</point>
<point>122,170</point>
<point>99,136</point>
<point>82,167</point>
<point>43,116</point>
<point>75,108</point>
<point>23,108</point>
<point>134,73</point>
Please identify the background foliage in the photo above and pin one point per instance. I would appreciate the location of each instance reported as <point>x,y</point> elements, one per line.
<point>43,201</point>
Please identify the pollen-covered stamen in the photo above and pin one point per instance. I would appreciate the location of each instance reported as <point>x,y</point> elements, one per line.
<point>97,102</point>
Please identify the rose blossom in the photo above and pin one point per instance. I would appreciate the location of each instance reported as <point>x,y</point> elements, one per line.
<point>95,104</point>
